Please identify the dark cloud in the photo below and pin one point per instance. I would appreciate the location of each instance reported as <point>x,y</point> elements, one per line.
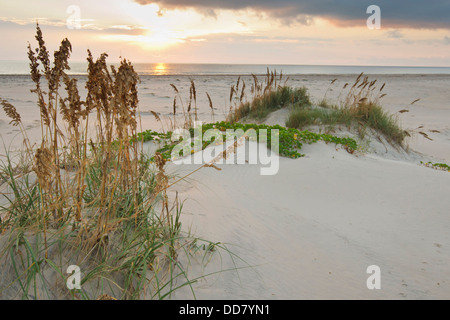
<point>394,13</point>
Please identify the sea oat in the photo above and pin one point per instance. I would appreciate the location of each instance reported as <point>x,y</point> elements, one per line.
<point>242,92</point>
<point>232,91</point>
<point>210,101</point>
<point>155,115</point>
<point>174,105</point>
<point>194,92</point>
<point>11,112</point>
<point>174,88</point>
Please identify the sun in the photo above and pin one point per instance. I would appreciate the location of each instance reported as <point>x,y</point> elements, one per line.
<point>160,69</point>
<point>152,29</point>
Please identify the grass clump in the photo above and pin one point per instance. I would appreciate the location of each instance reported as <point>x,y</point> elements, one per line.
<point>360,110</point>
<point>267,97</point>
<point>87,195</point>
<point>270,101</point>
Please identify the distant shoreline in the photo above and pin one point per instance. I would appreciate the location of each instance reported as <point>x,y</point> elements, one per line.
<point>443,75</point>
<point>18,68</point>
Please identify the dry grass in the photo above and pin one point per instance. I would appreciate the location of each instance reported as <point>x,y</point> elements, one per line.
<point>97,199</point>
<point>189,114</point>
<point>267,96</point>
<point>360,109</point>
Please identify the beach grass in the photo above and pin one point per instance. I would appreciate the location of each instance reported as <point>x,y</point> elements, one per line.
<point>266,97</point>
<point>87,195</point>
<point>270,101</point>
<point>359,110</point>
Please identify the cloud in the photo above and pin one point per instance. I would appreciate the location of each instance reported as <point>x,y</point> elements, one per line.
<point>394,13</point>
<point>86,24</point>
<point>42,21</point>
<point>394,34</point>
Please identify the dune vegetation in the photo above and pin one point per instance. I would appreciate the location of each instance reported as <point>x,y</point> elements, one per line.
<point>88,195</point>
<point>359,110</point>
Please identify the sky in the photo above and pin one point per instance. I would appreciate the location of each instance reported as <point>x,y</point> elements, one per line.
<point>300,32</point>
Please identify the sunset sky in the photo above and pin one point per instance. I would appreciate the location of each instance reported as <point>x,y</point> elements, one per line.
<point>316,32</point>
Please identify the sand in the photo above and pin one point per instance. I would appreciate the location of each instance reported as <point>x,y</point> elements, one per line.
<point>311,230</point>
<point>155,94</point>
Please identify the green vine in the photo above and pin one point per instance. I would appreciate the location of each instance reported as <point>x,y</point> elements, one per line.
<point>290,139</point>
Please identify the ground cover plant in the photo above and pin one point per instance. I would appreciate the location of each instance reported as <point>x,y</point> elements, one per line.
<point>437,166</point>
<point>290,140</point>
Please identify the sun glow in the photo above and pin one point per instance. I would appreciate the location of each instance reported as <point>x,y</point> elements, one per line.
<point>154,30</point>
<point>157,29</point>
<point>154,40</point>
<point>160,69</point>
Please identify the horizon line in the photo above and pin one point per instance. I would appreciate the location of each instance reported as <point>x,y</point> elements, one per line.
<point>254,64</point>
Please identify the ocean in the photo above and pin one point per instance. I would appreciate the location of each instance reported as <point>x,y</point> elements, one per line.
<point>173,69</point>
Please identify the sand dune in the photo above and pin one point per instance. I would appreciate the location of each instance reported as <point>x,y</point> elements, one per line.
<point>312,230</point>
<point>155,93</point>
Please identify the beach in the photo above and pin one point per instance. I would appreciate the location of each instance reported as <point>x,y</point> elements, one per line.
<point>311,230</point>
<point>155,94</point>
